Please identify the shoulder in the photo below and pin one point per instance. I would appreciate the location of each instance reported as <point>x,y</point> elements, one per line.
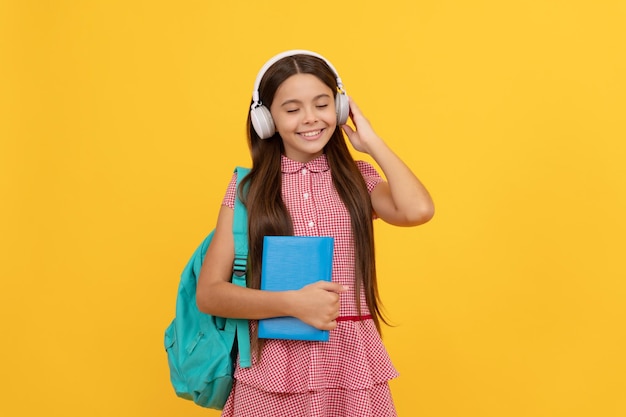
<point>370,174</point>
<point>231,190</point>
<point>365,166</point>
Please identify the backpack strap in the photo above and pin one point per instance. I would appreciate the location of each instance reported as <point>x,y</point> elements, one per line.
<point>240,265</point>
<point>240,232</point>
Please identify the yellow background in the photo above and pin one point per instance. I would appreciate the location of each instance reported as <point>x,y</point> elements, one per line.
<point>120,122</point>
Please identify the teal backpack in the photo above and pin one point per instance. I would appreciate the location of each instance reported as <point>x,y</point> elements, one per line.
<point>201,348</point>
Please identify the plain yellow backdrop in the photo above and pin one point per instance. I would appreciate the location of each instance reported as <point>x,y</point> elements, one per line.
<point>120,122</point>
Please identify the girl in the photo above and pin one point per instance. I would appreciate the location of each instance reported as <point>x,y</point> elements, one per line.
<point>304,182</point>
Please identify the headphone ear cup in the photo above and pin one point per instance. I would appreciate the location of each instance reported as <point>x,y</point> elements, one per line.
<point>262,122</point>
<point>342,106</point>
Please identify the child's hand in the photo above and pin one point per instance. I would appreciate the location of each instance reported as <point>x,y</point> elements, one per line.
<point>364,136</point>
<point>317,304</point>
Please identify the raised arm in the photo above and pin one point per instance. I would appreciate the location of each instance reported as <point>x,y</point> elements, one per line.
<point>402,200</point>
<point>317,304</point>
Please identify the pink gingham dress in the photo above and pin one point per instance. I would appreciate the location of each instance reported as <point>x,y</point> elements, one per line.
<point>346,376</point>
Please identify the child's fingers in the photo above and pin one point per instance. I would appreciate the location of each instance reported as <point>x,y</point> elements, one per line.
<point>331,286</point>
<point>348,130</point>
<point>353,106</point>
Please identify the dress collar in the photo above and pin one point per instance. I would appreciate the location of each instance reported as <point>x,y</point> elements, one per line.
<point>289,166</point>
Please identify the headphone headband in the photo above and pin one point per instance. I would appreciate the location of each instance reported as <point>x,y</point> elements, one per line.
<point>256,100</point>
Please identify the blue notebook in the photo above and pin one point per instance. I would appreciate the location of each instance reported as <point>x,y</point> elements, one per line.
<point>290,263</point>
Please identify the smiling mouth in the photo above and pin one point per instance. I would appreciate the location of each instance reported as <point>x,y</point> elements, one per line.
<point>311,134</point>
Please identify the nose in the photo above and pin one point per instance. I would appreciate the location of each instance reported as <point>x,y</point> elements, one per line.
<point>310,115</point>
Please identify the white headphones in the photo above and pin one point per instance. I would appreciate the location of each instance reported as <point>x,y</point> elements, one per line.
<point>260,115</point>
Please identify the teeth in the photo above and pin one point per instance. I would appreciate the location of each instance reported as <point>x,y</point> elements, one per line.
<point>311,134</point>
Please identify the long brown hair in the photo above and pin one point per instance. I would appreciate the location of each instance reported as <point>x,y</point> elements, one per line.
<point>268,214</point>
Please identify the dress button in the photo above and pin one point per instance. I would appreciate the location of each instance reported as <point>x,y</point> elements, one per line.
<point>305,195</point>
<point>311,224</point>
<point>304,171</point>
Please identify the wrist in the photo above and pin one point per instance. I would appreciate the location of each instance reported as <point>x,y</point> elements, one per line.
<point>286,304</point>
<point>376,147</point>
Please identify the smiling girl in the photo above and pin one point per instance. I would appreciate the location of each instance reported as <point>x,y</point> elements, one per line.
<point>304,182</point>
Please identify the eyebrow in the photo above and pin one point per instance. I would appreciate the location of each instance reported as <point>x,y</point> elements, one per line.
<point>299,102</point>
